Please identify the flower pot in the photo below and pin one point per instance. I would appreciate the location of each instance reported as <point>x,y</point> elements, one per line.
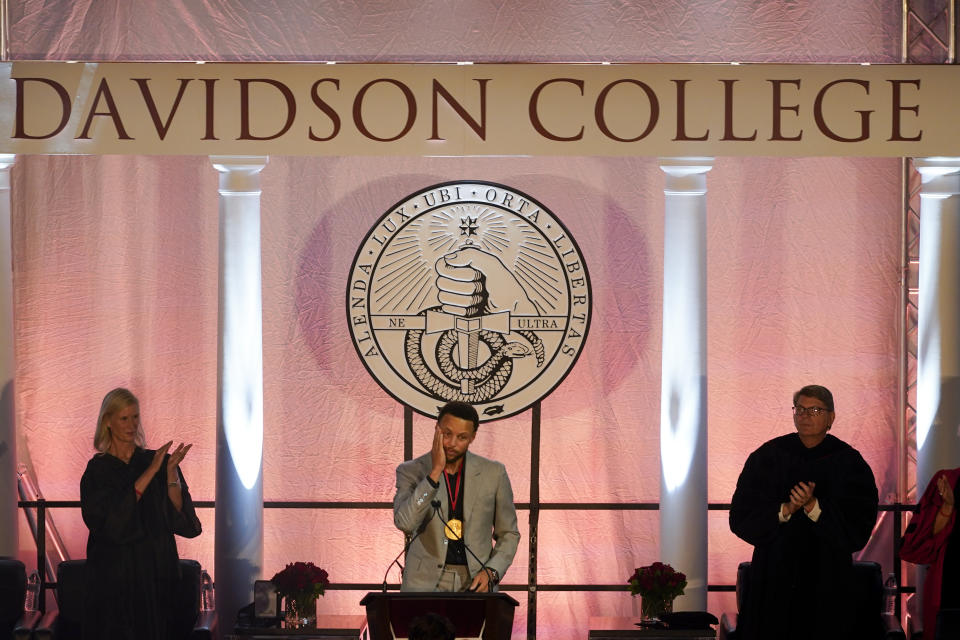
<point>301,613</point>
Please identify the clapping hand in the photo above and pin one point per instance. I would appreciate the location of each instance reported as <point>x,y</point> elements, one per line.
<point>175,459</point>
<point>158,458</point>
<point>151,471</point>
<point>801,496</point>
<point>945,491</point>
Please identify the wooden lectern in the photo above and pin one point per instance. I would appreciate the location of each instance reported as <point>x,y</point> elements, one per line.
<point>469,613</point>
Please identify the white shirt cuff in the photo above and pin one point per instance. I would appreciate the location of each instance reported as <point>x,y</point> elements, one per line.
<point>780,515</point>
<point>814,514</point>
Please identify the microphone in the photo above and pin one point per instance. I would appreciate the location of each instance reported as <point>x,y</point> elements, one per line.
<point>446,527</point>
<point>396,561</point>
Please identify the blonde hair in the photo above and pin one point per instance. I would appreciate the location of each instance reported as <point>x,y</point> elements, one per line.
<point>114,401</point>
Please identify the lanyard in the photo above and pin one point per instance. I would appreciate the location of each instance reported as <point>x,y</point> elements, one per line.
<point>454,495</point>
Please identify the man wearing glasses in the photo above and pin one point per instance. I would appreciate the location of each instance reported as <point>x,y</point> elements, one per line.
<point>806,501</point>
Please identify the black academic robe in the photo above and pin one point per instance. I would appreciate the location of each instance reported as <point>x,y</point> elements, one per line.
<point>132,564</point>
<point>800,575</point>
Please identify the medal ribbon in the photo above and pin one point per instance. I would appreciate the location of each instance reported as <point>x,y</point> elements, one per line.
<point>454,496</point>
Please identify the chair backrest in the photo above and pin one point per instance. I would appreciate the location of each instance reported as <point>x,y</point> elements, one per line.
<point>13,589</point>
<point>187,604</point>
<point>71,586</point>
<point>868,587</point>
<point>867,598</point>
<point>867,582</point>
<point>743,584</point>
<point>948,624</point>
<point>70,592</point>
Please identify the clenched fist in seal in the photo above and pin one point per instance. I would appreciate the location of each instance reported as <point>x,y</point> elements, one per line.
<point>473,282</point>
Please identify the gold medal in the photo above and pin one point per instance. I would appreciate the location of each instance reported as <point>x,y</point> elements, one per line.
<point>454,529</point>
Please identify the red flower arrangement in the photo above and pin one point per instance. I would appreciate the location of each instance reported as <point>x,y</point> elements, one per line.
<point>657,582</point>
<point>301,580</point>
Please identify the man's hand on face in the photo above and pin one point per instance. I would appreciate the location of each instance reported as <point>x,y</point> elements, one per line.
<point>437,455</point>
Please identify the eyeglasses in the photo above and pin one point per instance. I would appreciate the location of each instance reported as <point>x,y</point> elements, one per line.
<point>798,411</point>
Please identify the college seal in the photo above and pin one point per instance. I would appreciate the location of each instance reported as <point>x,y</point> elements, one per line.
<point>469,291</point>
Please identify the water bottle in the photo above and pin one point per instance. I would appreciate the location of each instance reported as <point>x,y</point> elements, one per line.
<point>207,592</point>
<point>890,595</point>
<point>31,599</point>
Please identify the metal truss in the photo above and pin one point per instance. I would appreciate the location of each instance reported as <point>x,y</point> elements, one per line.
<point>929,36</point>
<point>929,32</point>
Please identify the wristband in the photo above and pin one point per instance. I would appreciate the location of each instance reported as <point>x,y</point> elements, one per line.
<point>173,484</point>
<point>138,492</point>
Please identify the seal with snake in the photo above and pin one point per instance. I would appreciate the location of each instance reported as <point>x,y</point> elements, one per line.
<point>489,377</point>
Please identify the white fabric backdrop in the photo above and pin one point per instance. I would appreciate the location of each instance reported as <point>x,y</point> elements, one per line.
<point>115,270</point>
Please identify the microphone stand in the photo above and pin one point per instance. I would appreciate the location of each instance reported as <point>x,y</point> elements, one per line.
<point>423,527</point>
<point>446,527</point>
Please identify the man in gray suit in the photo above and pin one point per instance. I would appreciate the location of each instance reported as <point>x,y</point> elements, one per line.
<point>459,503</point>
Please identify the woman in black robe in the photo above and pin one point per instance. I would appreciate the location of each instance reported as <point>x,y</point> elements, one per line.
<point>133,501</point>
<point>806,501</point>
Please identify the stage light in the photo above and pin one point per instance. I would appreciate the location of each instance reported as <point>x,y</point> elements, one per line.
<point>241,312</point>
<point>678,442</point>
<point>928,395</point>
<point>682,398</point>
<point>242,381</point>
<point>936,315</point>
<point>242,408</point>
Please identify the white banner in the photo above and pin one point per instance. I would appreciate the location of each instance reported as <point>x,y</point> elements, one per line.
<point>479,109</point>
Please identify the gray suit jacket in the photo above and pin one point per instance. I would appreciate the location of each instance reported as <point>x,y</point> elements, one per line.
<point>488,515</point>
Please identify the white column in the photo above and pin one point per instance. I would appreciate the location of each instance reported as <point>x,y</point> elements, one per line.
<point>238,545</point>
<point>683,395</point>
<point>938,318</point>
<point>8,428</point>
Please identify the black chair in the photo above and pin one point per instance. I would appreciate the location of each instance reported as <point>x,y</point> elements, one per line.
<point>65,624</point>
<point>15,622</point>
<point>195,624</point>
<point>730,621</point>
<point>948,624</point>
<point>866,599</point>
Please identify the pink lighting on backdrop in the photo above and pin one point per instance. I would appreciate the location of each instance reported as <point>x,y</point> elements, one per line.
<point>115,274</point>
<point>332,434</point>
